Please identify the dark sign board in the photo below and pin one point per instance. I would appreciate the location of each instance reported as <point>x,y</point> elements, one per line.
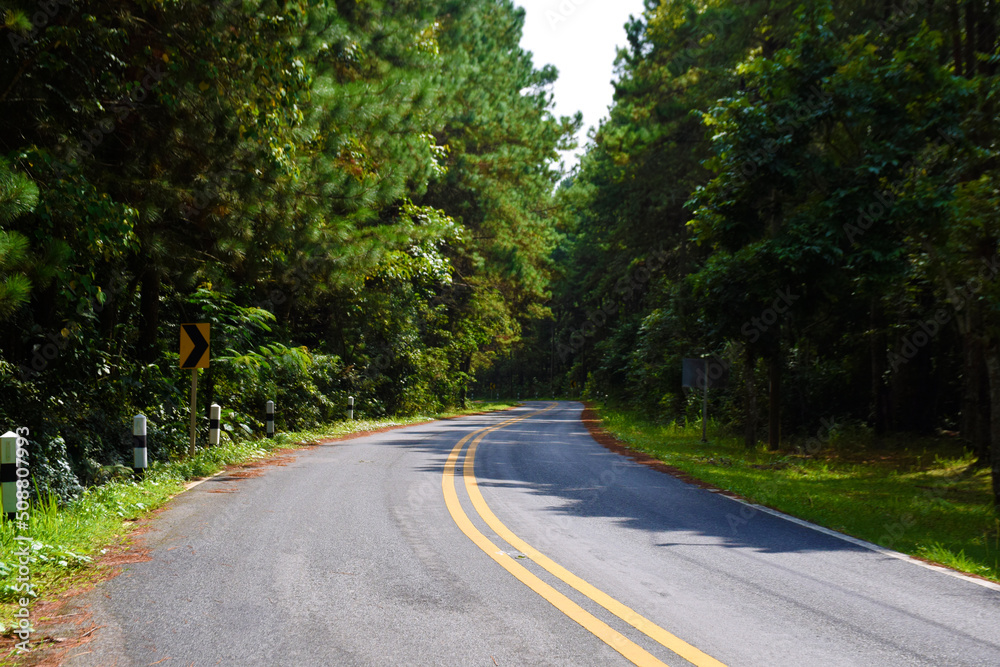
<point>695,372</point>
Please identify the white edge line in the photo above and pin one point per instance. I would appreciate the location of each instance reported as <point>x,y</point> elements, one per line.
<point>191,485</point>
<point>985,583</point>
<point>867,545</point>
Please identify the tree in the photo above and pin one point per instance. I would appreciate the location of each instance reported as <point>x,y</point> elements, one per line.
<point>18,196</point>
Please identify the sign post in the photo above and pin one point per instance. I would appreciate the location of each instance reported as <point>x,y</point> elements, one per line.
<point>704,413</point>
<point>700,374</point>
<point>193,410</point>
<point>194,355</point>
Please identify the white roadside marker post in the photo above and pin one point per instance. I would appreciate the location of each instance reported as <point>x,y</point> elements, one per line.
<point>8,473</point>
<point>215,413</point>
<point>350,407</point>
<point>269,409</point>
<point>139,459</point>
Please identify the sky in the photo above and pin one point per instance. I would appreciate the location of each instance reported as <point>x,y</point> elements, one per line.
<point>580,38</point>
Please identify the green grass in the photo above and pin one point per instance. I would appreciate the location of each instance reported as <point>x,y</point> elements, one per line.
<point>66,540</point>
<point>920,496</point>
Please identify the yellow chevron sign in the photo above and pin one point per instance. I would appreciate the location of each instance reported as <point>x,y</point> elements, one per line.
<point>194,345</point>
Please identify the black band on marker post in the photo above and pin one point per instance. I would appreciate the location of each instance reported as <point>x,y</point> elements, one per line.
<point>8,473</point>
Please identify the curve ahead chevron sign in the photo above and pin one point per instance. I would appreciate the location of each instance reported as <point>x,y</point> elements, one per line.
<point>194,345</point>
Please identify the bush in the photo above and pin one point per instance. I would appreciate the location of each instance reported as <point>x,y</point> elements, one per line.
<point>51,472</point>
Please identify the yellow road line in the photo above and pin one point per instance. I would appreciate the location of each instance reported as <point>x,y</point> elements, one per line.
<point>644,625</point>
<point>632,651</point>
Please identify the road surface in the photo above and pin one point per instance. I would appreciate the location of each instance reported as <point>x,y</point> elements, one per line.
<point>513,539</point>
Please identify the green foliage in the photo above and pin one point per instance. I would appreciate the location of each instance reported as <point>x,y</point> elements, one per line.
<point>304,387</point>
<point>806,190</point>
<point>357,197</point>
<point>18,196</point>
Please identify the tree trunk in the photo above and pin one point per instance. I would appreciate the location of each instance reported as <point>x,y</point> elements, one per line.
<point>956,37</point>
<point>149,314</point>
<point>108,319</point>
<point>552,357</point>
<point>986,36</point>
<point>993,369</point>
<point>975,424</point>
<point>970,39</point>
<point>774,402</point>
<point>463,392</point>
<point>46,312</point>
<point>750,433</point>
<point>879,361</point>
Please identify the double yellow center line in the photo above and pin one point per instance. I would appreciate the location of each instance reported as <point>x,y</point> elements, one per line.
<point>632,651</point>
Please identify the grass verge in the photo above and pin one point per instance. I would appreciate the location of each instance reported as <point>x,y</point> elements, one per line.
<point>66,541</point>
<point>919,496</point>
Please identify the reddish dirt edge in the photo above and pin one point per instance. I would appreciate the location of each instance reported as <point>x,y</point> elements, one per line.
<point>58,638</point>
<point>54,638</point>
<point>592,421</point>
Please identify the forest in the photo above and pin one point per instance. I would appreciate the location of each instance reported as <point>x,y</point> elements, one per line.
<point>366,199</point>
<point>805,193</point>
<point>356,196</point>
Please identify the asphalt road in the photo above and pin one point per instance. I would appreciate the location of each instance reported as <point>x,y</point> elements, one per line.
<point>539,548</point>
